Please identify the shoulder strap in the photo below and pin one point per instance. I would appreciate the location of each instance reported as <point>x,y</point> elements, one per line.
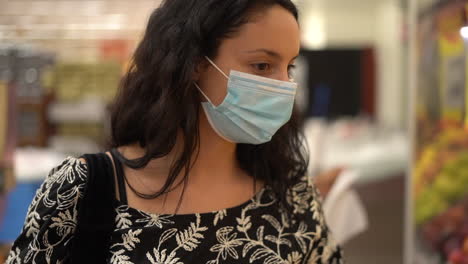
<point>96,212</point>
<point>120,175</point>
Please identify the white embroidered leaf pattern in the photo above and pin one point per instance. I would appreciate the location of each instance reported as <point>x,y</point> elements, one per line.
<point>301,243</point>
<point>167,234</point>
<point>259,253</point>
<point>244,224</point>
<point>122,218</point>
<point>119,258</point>
<point>219,216</point>
<point>300,187</point>
<point>14,257</point>
<point>258,198</point>
<point>284,241</point>
<point>247,248</point>
<point>294,258</point>
<point>162,257</point>
<point>227,243</point>
<point>45,239</point>
<point>223,232</point>
<point>233,253</point>
<point>28,256</point>
<point>68,198</point>
<point>189,238</point>
<point>150,257</point>
<point>65,223</point>
<point>67,172</point>
<point>260,231</point>
<point>314,256</point>
<point>318,231</point>
<point>32,225</point>
<point>155,220</point>
<point>280,241</point>
<point>272,239</point>
<point>328,250</point>
<point>273,222</point>
<point>130,239</point>
<point>302,228</point>
<point>49,252</point>
<point>285,219</point>
<point>274,259</point>
<point>48,202</point>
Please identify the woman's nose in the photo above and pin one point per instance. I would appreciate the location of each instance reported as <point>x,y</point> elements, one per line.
<point>283,76</point>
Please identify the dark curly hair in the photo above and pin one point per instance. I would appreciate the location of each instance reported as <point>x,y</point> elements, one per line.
<point>157,98</point>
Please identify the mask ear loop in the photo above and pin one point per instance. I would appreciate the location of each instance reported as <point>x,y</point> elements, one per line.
<point>216,66</point>
<point>204,95</point>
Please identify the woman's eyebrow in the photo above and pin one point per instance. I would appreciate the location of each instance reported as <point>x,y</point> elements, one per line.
<point>269,52</point>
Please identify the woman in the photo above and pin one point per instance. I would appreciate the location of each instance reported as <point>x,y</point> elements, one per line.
<point>208,160</point>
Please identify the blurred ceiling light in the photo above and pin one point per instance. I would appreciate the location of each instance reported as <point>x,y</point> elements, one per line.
<point>314,35</point>
<point>313,21</point>
<point>464,32</point>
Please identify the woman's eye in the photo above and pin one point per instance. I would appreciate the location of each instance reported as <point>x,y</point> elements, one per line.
<point>262,67</point>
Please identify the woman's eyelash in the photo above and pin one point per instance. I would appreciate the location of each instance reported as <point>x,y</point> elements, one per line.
<point>264,66</point>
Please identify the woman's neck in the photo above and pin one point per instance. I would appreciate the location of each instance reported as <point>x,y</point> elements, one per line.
<point>214,163</point>
<point>214,182</point>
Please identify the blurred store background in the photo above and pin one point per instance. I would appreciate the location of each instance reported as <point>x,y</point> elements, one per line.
<point>382,86</point>
<point>354,71</point>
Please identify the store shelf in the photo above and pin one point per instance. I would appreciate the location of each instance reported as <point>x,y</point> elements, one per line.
<point>43,159</point>
<point>359,145</point>
<point>73,145</point>
<point>91,110</point>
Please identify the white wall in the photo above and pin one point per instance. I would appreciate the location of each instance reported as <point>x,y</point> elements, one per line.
<point>391,98</point>
<point>353,27</point>
<point>341,22</point>
<point>364,23</point>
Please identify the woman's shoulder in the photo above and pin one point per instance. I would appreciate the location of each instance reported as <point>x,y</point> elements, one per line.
<point>304,189</point>
<point>305,199</point>
<point>64,184</point>
<point>71,171</point>
<point>52,215</point>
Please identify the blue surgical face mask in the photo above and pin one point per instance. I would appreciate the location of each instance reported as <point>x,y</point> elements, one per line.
<point>254,108</point>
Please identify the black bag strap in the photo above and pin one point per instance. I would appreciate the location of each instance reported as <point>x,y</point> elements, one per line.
<point>96,213</point>
<point>120,175</point>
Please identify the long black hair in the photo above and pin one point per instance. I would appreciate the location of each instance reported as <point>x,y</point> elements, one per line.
<point>157,98</point>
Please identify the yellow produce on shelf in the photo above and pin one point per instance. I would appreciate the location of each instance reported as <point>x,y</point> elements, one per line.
<point>72,82</point>
<point>441,175</point>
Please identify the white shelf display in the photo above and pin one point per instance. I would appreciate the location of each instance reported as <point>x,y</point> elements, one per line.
<point>358,144</point>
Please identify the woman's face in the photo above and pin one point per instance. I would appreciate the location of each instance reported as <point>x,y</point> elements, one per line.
<point>267,46</point>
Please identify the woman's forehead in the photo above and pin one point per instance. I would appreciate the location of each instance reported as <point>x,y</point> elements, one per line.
<point>275,32</point>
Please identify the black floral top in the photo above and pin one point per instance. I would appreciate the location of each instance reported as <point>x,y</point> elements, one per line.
<point>257,231</point>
